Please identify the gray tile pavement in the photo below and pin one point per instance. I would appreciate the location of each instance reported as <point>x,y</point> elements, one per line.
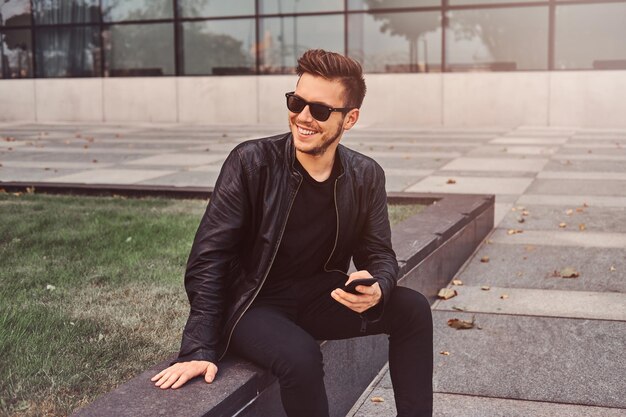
<point>552,347</point>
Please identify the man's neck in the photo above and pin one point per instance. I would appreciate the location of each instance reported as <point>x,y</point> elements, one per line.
<point>319,167</point>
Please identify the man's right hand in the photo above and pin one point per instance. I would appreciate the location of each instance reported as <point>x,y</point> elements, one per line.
<point>178,374</point>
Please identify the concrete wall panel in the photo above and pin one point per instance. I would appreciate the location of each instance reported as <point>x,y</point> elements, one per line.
<point>272,109</point>
<point>402,100</point>
<point>67,99</point>
<point>17,100</point>
<point>149,99</point>
<point>496,99</point>
<point>217,100</point>
<point>588,99</point>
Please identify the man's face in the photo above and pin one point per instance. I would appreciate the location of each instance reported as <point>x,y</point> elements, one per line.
<point>311,136</point>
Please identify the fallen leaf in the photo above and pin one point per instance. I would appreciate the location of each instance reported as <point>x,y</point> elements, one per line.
<point>457,282</point>
<point>446,293</point>
<point>513,209</point>
<point>378,399</point>
<point>50,287</point>
<point>514,231</point>
<point>612,268</point>
<point>580,210</point>
<point>451,181</point>
<point>585,204</point>
<point>569,212</point>
<point>484,259</point>
<point>30,190</point>
<point>489,241</point>
<point>562,225</point>
<point>18,194</point>
<point>504,296</point>
<point>521,220</point>
<point>95,161</point>
<point>525,213</point>
<point>569,273</point>
<point>100,337</point>
<point>128,239</point>
<point>582,227</point>
<point>459,308</point>
<point>461,324</point>
<point>444,353</point>
<point>530,248</point>
<point>485,287</point>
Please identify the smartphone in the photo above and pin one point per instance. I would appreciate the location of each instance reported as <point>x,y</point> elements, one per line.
<point>351,287</point>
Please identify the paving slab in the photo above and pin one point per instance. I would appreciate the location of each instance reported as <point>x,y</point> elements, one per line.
<point>526,140</point>
<point>486,174</point>
<point>551,218</point>
<point>53,165</point>
<point>592,152</point>
<point>508,150</point>
<point>569,361</point>
<point>537,302</point>
<point>586,166</point>
<point>573,201</point>
<point>454,405</point>
<point>496,164</point>
<point>185,178</point>
<point>11,174</point>
<point>397,183</point>
<point>179,159</point>
<point>472,185</point>
<point>573,175</point>
<point>410,162</point>
<point>111,176</point>
<point>533,266</point>
<point>588,157</point>
<point>561,238</point>
<point>578,187</point>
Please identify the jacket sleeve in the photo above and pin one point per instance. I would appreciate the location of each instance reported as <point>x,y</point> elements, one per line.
<point>216,244</point>
<point>374,252</point>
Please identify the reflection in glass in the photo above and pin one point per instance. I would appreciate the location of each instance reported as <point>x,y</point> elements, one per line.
<point>468,2</point>
<point>15,54</point>
<point>498,39</point>
<point>117,10</point>
<point>299,6</point>
<point>396,42</point>
<point>219,47</point>
<point>284,40</point>
<point>14,13</point>
<point>65,11</point>
<point>215,8</point>
<point>139,50</point>
<point>590,36</point>
<point>68,52</point>
<point>390,4</point>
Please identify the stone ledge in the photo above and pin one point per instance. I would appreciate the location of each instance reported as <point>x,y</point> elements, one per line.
<point>431,246</point>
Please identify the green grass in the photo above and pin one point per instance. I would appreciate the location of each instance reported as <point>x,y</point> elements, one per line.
<point>90,294</point>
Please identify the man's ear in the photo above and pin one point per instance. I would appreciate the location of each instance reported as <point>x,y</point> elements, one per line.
<point>351,118</point>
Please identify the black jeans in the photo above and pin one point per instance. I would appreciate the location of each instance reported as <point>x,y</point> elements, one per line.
<point>283,337</point>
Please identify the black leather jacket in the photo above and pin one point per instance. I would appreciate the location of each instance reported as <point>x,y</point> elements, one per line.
<point>242,227</point>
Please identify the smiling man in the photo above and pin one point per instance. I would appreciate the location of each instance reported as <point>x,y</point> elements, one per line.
<point>267,271</point>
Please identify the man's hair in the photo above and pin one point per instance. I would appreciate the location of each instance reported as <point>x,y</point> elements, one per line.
<point>334,66</point>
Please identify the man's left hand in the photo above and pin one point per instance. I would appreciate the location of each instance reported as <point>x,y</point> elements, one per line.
<point>367,298</point>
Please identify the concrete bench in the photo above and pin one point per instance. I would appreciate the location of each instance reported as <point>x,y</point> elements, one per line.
<point>431,246</point>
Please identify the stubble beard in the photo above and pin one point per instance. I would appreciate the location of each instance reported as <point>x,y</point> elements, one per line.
<point>326,143</point>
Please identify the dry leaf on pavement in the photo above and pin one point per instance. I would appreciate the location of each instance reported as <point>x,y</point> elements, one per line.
<point>569,273</point>
<point>451,181</point>
<point>461,324</point>
<point>504,296</point>
<point>582,227</point>
<point>562,225</point>
<point>444,353</point>
<point>377,399</point>
<point>612,268</point>
<point>485,287</point>
<point>484,259</point>
<point>457,282</point>
<point>514,231</point>
<point>569,212</point>
<point>446,293</point>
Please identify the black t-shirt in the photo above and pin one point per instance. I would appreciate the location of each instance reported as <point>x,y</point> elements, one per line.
<point>307,241</point>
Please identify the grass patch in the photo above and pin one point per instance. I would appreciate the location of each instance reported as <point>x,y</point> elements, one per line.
<point>90,294</point>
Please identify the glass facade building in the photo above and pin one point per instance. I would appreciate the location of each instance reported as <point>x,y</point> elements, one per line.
<point>109,38</point>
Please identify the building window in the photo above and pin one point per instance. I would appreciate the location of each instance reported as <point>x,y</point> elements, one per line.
<point>14,13</point>
<point>50,12</point>
<point>195,8</point>
<point>219,47</point>
<point>505,39</point>
<point>139,50</point>
<point>390,4</point>
<point>15,54</point>
<point>284,39</point>
<point>299,6</point>
<point>590,36</point>
<point>121,10</point>
<point>396,42</point>
<point>68,52</point>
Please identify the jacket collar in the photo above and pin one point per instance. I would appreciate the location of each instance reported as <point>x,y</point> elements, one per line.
<point>290,156</point>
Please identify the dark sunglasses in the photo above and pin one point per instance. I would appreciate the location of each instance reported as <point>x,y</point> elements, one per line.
<point>320,112</point>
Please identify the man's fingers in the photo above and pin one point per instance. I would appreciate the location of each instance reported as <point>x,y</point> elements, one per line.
<point>158,376</point>
<point>182,380</point>
<point>170,381</point>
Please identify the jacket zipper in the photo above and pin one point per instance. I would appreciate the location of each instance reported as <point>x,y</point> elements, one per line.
<point>332,252</point>
<point>280,238</point>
